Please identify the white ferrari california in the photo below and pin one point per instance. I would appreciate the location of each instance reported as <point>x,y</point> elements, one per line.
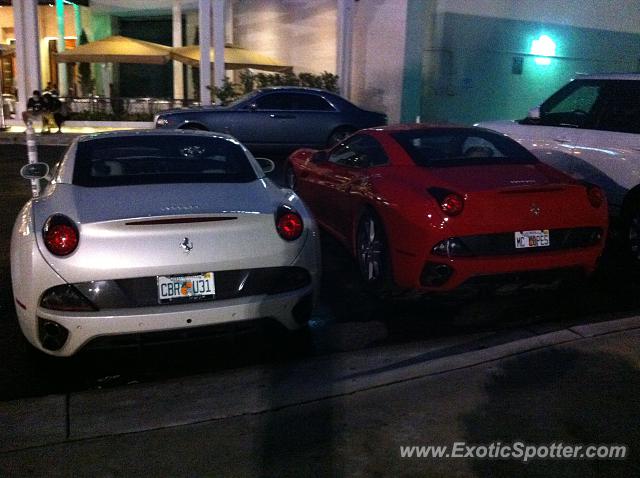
<point>152,231</point>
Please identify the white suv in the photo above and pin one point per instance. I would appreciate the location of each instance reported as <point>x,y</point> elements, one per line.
<point>590,128</point>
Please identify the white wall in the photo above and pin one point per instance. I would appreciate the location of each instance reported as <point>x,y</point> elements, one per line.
<point>379,35</point>
<point>298,32</point>
<point>303,33</point>
<point>613,15</point>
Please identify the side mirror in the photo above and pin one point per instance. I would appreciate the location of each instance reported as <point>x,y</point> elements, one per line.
<point>267,165</point>
<point>534,113</point>
<point>319,156</point>
<point>33,171</point>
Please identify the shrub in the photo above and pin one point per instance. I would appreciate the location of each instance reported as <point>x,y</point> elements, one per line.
<point>249,81</point>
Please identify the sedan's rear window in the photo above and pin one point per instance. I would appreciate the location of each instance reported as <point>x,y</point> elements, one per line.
<point>461,146</point>
<point>121,161</point>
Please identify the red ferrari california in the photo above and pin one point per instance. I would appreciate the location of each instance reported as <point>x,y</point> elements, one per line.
<point>433,208</point>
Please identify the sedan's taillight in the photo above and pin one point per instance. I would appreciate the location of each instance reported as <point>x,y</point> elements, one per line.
<point>289,223</point>
<point>595,195</point>
<point>60,235</point>
<point>452,204</point>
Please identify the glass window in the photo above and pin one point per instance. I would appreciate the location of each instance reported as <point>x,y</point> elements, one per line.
<point>310,102</point>
<point>245,101</point>
<point>359,151</point>
<point>574,105</point>
<point>440,147</point>
<point>274,101</point>
<point>610,105</point>
<point>293,101</point>
<point>119,161</point>
<point>620,107</point>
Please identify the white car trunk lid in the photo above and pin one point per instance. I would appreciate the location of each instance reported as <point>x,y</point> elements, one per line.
<point>139,231</point>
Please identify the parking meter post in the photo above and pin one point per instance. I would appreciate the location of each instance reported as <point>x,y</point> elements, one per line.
<point>32,154</point>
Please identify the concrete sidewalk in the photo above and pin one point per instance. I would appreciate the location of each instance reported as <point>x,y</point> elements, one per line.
<point>70,130</point>
<point>348,414</point>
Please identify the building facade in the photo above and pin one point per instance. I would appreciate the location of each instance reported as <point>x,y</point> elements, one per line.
<point>457,61</point>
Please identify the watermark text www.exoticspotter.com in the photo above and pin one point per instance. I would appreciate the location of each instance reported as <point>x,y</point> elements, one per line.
<point>518,451</point>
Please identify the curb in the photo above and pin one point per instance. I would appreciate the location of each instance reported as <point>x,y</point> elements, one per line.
<point>53,139</point>
<point>65,138</point>
<point>143,407</point>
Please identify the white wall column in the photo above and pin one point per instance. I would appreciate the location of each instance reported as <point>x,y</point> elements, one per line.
<point>228,21</point>
<point>204,26</point>
<point>21,60</point>
<point>77,20</point>
<point>191,27</point>
<point>25,15</point>
<point>178,77</point>
<point>218,42</point>
<point>344,46</point>
<point>32,37</point>
<point>62,67</point>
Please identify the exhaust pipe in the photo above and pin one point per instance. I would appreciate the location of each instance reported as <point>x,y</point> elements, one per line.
<point>52,335</point>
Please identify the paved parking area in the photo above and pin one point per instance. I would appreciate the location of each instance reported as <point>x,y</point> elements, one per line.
<point>347,319</point>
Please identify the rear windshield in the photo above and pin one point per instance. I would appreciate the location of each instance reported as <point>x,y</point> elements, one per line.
<point>461,146</point>
<point>160,160</point>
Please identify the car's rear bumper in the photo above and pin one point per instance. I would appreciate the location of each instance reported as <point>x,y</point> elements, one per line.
<point>289,309</point>
<point>463,271</point>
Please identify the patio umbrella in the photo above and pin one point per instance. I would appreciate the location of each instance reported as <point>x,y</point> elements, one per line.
<point>117,49</point>
<point>235,58</point>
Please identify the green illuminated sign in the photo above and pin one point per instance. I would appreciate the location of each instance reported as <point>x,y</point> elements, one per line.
<point>545,47</point>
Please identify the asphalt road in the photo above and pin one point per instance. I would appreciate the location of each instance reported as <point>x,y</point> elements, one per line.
<point>347,318</point>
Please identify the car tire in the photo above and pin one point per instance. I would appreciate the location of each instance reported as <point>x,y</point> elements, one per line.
<point>372,255</point>
<point>290,178</point>
<point>339,135</point>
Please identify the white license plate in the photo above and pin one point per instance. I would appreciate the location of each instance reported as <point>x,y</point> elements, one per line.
<point>194,286</point>
<point>527,239</point>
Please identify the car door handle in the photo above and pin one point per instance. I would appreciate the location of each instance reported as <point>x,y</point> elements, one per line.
<point>562,140</point>
<point>281,116</point>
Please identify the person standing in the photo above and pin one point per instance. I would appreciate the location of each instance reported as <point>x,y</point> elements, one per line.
<point>35,108</point>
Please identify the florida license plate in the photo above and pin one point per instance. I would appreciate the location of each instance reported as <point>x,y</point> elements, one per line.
<point>186,287</point>
<point>527,239</point>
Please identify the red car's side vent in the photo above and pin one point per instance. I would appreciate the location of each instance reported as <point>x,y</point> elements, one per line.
<point>178,220</point>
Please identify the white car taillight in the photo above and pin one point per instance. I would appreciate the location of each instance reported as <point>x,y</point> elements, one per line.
<point>60,235</point>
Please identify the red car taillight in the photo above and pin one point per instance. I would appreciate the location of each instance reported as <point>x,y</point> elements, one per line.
<point>60,235</point>
<point>452,204</point>
<point>595,195</point>
<point>289,224</point>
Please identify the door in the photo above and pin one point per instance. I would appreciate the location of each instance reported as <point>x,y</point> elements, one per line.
<point>285,118</point>
<point>609,151</point>
<point>346,184</point>
<point>554,138</point>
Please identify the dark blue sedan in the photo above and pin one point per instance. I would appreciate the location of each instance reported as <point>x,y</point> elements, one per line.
<point>278,118</point>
